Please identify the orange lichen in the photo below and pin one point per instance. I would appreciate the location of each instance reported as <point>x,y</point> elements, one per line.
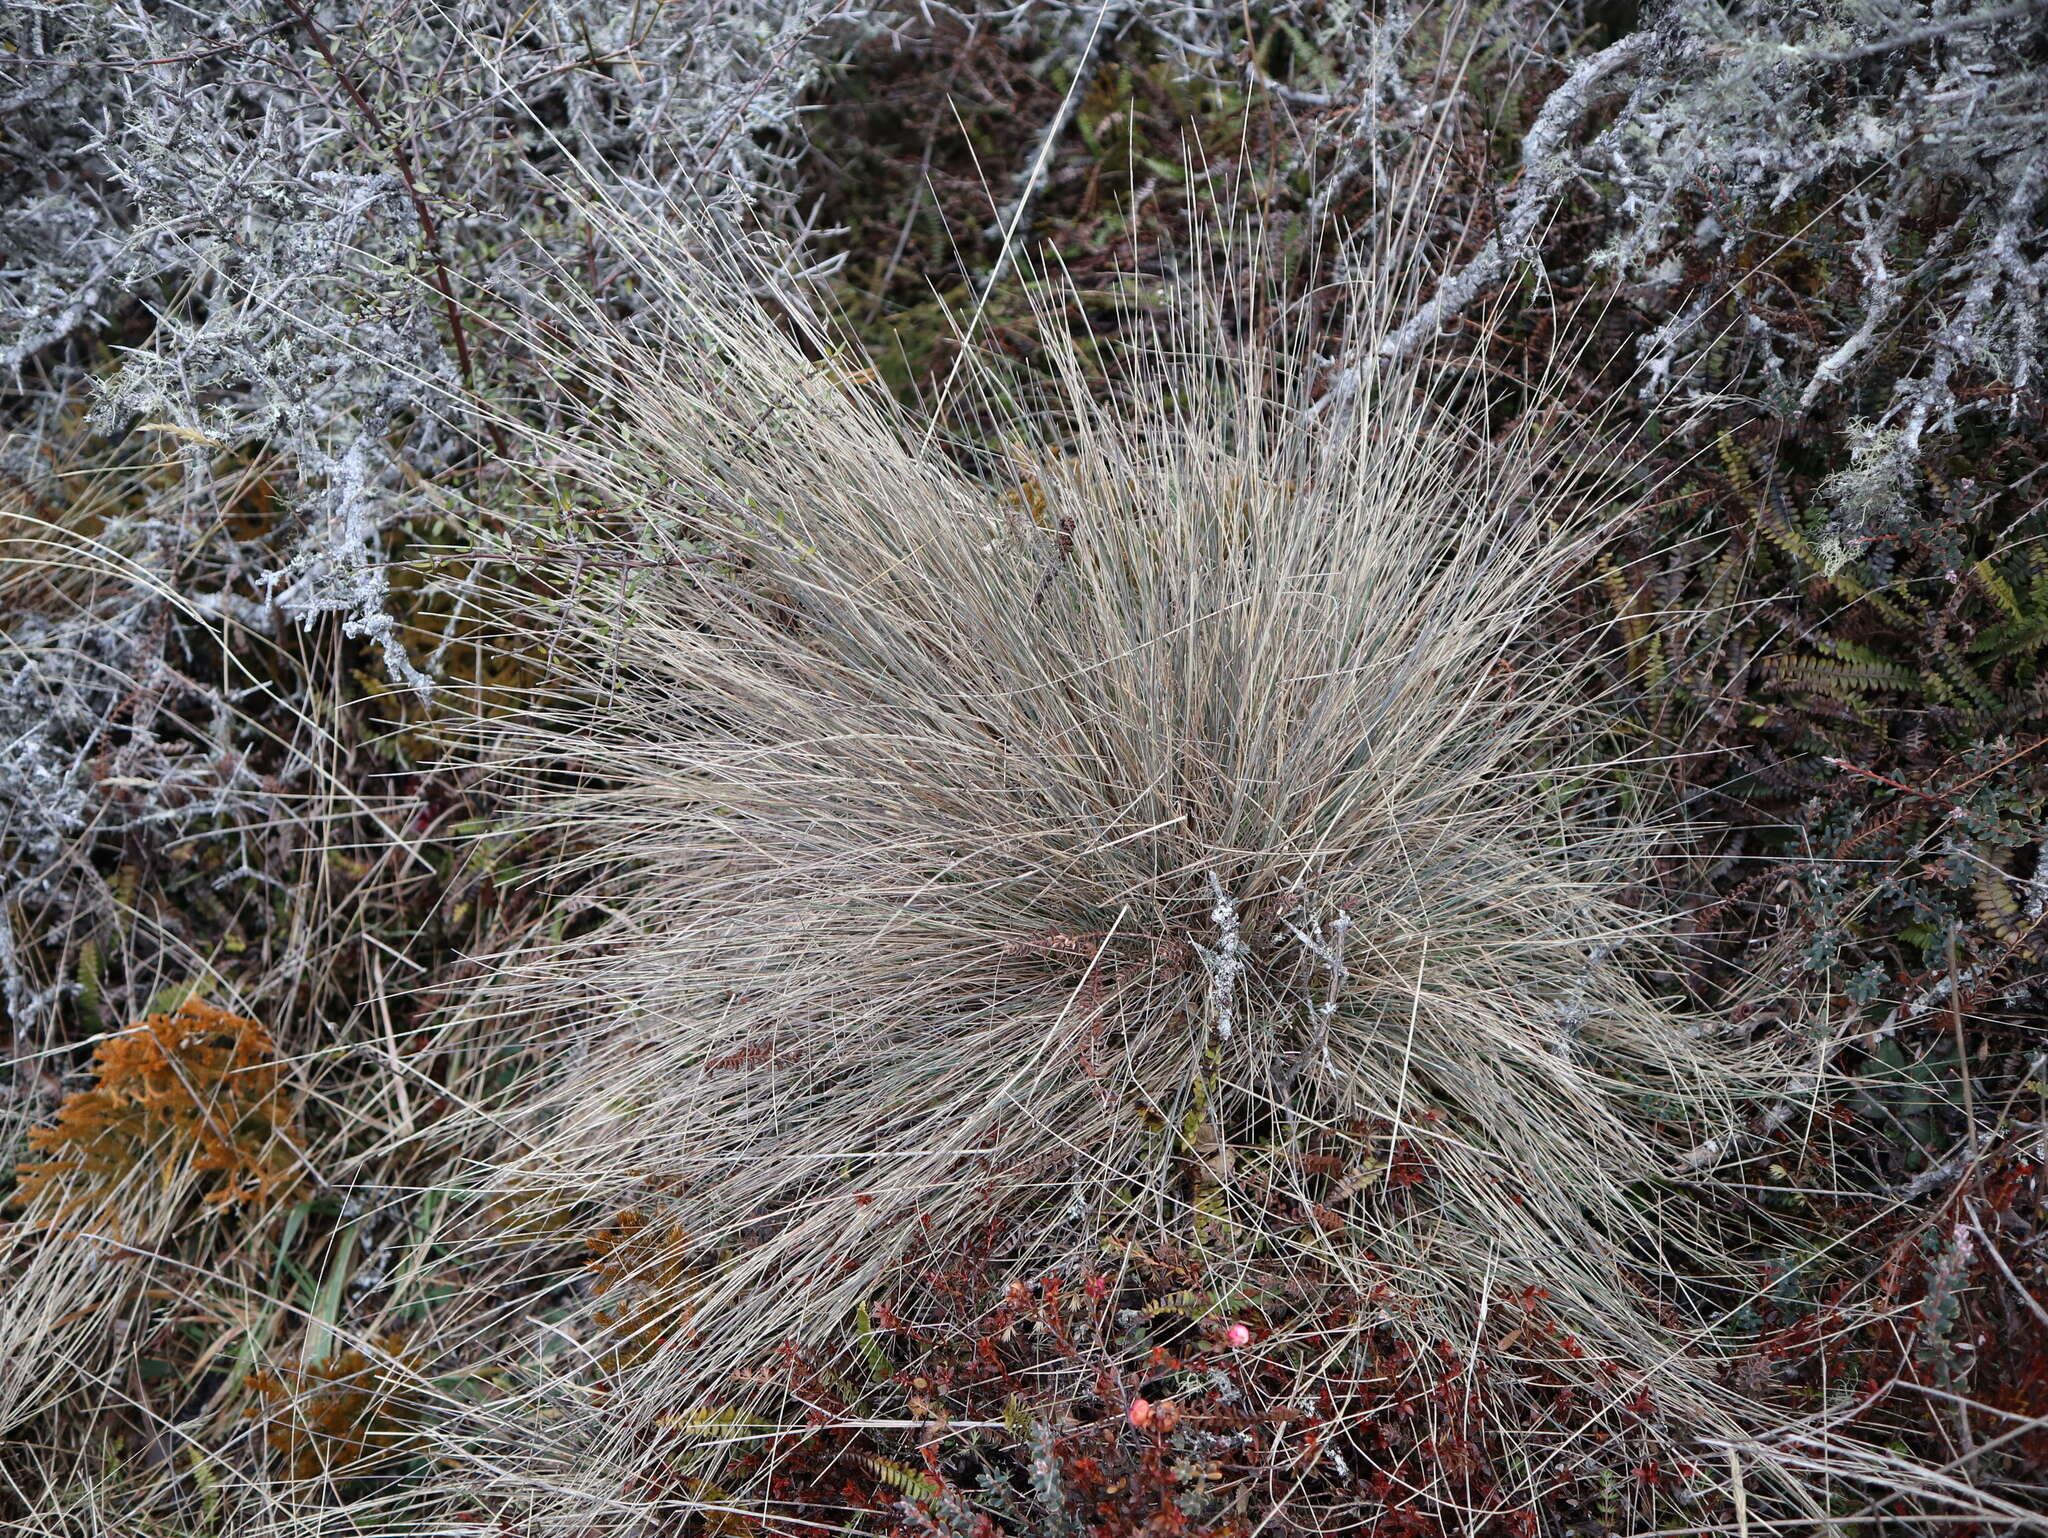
<point>198,1091</point>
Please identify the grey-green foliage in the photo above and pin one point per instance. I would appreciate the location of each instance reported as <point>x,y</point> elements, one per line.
<point>93,753</point>
<point>46,733</point>
<point>276,207</point>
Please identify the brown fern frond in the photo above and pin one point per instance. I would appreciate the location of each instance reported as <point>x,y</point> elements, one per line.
<point>344,1416</point>
<point>198,1092</point>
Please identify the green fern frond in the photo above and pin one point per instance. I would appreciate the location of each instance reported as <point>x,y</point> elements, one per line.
<point>89,984</point>
<point>2013,637</point>
<point>1994,583</point>
<point>1992,896</point>
<point>1844,681</point>
<point>1962,677</point>
<point>1188,1303</point>
<point>1735,463</point>
<point>904,1480</point>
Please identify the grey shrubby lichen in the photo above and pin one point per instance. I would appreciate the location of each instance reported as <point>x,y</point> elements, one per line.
<point>251,240</point>
<point>285,200</point>
<point>1920,125</point>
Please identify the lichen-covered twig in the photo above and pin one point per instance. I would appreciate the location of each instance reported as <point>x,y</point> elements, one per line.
<point>1031,181</point>
<point>1545,169</point>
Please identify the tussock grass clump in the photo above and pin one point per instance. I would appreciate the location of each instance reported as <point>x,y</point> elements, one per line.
<point>1167,829</point>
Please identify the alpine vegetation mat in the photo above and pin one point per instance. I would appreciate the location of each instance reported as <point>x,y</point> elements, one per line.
<point>1159,837</point>
<point>1373,871</point>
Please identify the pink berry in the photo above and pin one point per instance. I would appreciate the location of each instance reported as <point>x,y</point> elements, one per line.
<point>1238,1335</point>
